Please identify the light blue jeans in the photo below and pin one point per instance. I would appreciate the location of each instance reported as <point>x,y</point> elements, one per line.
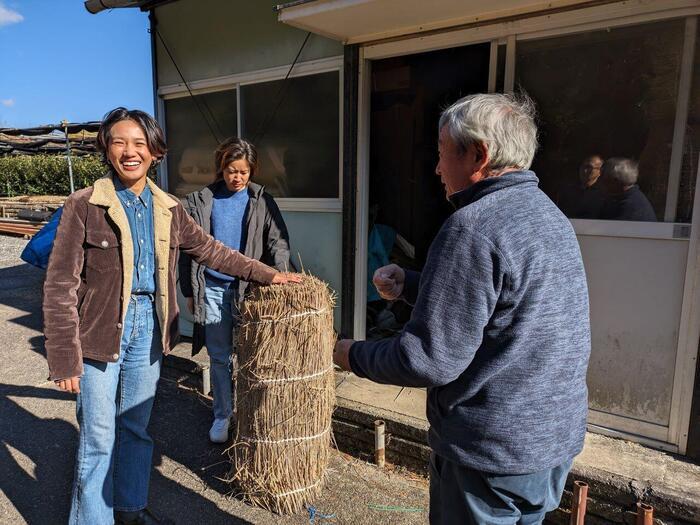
<point>113,462</point>
<point>221,319</point>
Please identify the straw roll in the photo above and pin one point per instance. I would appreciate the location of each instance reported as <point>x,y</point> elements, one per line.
<point>285,394</point>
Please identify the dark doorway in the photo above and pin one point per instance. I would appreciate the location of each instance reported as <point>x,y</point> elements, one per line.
<point>407,203</point>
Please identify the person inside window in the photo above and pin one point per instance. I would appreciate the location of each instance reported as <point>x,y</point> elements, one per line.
<point>585,199</point>
<point>625,201</point>
<point>240,214</point>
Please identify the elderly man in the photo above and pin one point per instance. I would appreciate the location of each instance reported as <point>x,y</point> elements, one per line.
<point>625,201</point>
<point>499,332</point>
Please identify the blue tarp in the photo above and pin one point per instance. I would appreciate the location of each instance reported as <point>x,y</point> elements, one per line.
<point>380,242</point>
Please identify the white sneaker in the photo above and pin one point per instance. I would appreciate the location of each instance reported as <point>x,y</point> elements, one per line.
<point>219,430</point>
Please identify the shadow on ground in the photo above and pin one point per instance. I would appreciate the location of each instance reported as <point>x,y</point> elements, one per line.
<point>37,459</point>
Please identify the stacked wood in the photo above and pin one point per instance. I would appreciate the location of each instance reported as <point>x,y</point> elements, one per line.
<point>10,208</point>
<point>18,227</point>
<point>285,395</point>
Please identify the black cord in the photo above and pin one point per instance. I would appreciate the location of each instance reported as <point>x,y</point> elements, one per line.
<point>280,96</point>
<point>196,101</point>
<point>262,130</point>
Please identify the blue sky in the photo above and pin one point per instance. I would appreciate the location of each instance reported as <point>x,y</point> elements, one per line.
<point>60,62</point>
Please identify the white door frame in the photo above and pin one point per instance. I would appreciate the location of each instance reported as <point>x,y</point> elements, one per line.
<point>674,437</point>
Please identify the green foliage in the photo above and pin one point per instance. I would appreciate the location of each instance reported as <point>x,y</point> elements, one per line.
<point>46,174</point>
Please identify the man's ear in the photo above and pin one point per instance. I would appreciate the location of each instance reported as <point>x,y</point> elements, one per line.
<point>481,155</point>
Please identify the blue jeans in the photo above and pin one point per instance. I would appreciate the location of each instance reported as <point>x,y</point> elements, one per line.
<point>221,320</point>
<point>460,495</point>
<point>113,462</point>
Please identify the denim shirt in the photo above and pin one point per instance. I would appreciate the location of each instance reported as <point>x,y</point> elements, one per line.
<point>139,212</point>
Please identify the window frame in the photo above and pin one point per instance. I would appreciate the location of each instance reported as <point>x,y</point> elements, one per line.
<point>228,82</point>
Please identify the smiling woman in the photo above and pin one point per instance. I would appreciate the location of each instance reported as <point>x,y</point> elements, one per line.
<point>110,312</point>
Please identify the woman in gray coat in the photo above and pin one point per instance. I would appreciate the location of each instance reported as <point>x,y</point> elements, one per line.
<point>241,215</point>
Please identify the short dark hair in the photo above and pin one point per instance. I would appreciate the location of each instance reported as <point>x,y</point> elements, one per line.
<point>235,148</point>
<point>155,138</point>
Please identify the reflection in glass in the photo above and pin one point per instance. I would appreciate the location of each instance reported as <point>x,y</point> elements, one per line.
<point>192,140</point>
<point>611,93</point>
<point>691,143</point>
<point>584,198</point>
<point>624,201</point>
<point>295,126</point>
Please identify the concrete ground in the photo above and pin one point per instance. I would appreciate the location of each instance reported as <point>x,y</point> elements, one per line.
<point>38,434</point>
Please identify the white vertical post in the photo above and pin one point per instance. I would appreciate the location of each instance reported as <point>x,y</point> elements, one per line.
<point>684,85</point>
<point>688,335</point>
<point>70,162</point>
<point>493,66</point>
<point>162,169</point>
<point>509,80</point>
<point>362,205</point>
<point>238,110</point>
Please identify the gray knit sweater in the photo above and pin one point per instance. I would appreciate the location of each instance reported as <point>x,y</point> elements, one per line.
<point>499,333</point>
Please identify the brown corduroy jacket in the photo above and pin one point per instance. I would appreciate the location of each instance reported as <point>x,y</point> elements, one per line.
<point>90,272</point>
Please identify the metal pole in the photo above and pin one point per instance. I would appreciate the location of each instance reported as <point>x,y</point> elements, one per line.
<point>645,514</point>
<point>379,443</point>
<point>70,162</point>
<point>578,503</point>
<point>206,383</point>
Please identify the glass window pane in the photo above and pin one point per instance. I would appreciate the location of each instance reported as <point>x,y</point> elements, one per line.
<point>194,127</point>
<point>602,95</point>
<point>294,124</point>
<point>691,144</point>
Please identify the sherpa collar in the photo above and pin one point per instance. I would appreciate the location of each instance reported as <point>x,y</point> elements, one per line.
<point>105,194</point>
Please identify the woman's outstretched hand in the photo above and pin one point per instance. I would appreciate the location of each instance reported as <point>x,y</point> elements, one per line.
<point>286,277</point>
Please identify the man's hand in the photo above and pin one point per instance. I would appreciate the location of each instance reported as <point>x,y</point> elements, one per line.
<point>286,277</point>
<point>389,281</point>
<point>190,304</point>
<point>72,384</point>
<point>341,353</point>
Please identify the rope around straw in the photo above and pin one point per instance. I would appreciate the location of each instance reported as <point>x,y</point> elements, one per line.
<point>296,491</point>
<point>285,440</point>
<point>288,379</point>
<point>288,317</point>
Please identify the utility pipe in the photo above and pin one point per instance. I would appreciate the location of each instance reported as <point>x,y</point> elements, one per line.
<point>379,454</point>
<point>645,514</point>
<point>206,382</point>
<point>578,503</point>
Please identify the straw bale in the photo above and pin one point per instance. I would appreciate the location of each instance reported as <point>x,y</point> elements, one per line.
<point>285,395</point>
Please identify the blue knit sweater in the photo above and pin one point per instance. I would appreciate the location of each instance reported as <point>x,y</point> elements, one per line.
<point>499,333</point>
<point>228,214</point>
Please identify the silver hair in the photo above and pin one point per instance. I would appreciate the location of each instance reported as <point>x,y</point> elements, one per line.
<point>505,123</point>
<point>622,170</point>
